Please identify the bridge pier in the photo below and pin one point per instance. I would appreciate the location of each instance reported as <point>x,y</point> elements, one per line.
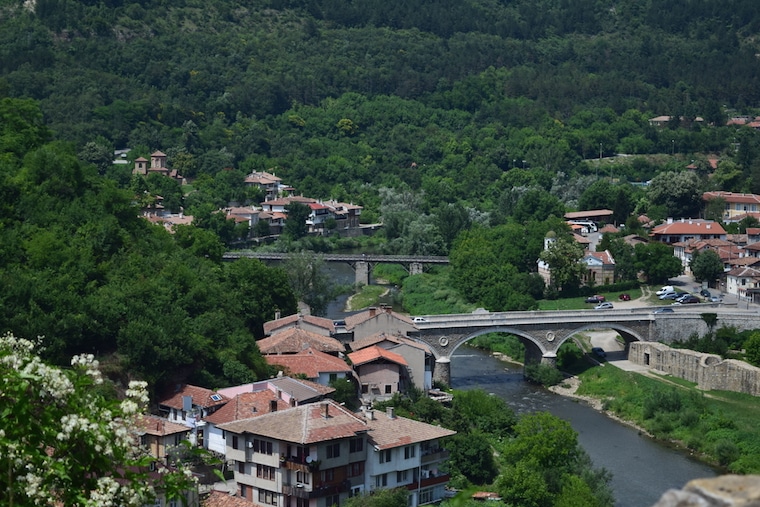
<point>442,371</point>
<point>549,359</point>
<point>415,268</point>
<point>362,272</point>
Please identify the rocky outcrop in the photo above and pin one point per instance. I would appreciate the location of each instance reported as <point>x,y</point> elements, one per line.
<point>723,491</point>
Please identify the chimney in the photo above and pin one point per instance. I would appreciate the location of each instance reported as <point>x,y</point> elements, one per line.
<point>273,405</point>
<point>292,401</point>
<point>325,410</point>
<point>372,311</point>
<point>370,415</point>
<point>279,394</point>
<point>277,315</point>
<point>390,413</point>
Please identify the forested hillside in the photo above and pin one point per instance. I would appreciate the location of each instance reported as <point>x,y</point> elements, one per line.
<point>434,116</point>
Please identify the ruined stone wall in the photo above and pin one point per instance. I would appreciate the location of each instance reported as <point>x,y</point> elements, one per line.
<point>723,491</point>
<point>708,371</point>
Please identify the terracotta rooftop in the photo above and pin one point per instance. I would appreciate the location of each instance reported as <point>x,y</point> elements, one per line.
<point>309,362</point>
<point>295,339</point>
<point>732,197</point>
<point>159,426</point>
<point>689,226</point>
<point>744,271</point>
<point>307,424</point>
<point>609,228</point>
<point>361,317</point>
<point>297,320</point>
<point>224,499</point>
<point>373,353</point>
<point>201,397</point>
<point>593,213</point>
<point>377,338</point>
<point>389,432</point>
<point>302,390</point>
<point>605,257</point>
<point>247,405</point>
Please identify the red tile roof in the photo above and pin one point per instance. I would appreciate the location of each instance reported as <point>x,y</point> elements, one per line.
<point>381,337</point>
<point>732,197</point>
<point>247,405</point>
<point>295,339</point>
<point>307,424</point>
<point>373,353</point>
<point>389,432</point>
<point>159,426</point>
<point>224,499</point>
<point>695,226</point>
<point>309,362</point>
<point>372,313</point>
<point>297,320</point>
<point>201,397</point>
<point>593,213</point>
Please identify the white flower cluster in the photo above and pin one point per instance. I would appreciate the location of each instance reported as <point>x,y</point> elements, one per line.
<point>90,364</point>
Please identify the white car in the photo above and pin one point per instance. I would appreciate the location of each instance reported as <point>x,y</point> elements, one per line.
<point>665,290</point>
<point>419,319</point>
<point>604,306</point>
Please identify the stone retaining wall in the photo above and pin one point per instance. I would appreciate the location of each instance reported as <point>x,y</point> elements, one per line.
<point>708,371</point>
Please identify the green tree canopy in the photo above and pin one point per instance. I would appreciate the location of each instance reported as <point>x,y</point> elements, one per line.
<point>706,266</point>
<point>656,261</point>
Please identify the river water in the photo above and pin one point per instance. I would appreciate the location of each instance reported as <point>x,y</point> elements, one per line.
<point>642,469</point>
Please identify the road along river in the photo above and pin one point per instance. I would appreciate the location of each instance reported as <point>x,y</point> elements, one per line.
<point>642,469</point>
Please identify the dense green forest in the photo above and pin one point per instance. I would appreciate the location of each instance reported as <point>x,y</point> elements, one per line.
<point>483,116</point>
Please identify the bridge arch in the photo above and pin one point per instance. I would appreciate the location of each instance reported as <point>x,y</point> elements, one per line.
<point>628,334</point>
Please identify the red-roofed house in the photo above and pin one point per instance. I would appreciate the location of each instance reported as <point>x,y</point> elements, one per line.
<point>189,405</point>
<point>313,364</point>
<point>158,434</point>
<point>378,320</point>
<point>224,499</point>
<point>675,231</point>
<point>744,282</point>
<point>295,339</point>
<point>684,250</point>
<point>267,182</point>
<point>600,268</point>
<point>318,325</point>
<point>381,372</point>
<point>738,205</point>
<point>418,356</point>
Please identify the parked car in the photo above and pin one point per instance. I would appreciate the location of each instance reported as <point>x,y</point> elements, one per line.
<point>624,297</point>
<point>419,319</point>
<point>688,299</point>
<point>705,293</point>
<point>665,290</point>
<point>595,299</point>
<point>672,295</point>
<point>663,310</point>
<point>716,299</point>
<point>604,306</point>
<point>599,351</point>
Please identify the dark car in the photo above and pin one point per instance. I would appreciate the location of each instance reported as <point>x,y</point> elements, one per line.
<point>663,310</point>
<point>688,299</point>
<point>624,297</point>
<point>599,351</point>
<point>705,293</point>
<point>674,295</point>
<point>595,299</point>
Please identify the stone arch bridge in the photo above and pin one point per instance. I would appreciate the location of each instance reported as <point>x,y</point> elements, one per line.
<point>543,332</point>
<point>362,264</point>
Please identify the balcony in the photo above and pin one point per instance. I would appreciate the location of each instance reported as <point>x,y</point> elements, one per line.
<point>434,455</point>
<point>318,492</point>
<point>297,464</point>
<point>430,481</point>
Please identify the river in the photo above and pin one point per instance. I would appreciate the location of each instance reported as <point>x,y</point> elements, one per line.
<point>642,469</point>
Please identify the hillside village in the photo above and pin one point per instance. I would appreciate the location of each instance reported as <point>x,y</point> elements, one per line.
<point>287,442</point>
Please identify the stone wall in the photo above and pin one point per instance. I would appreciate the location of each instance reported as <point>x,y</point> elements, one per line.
<point>708,371</point>
<point>723,491</point>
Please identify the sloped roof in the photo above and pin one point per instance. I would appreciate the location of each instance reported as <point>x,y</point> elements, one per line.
<point>592,213</point>
<point>604,257</point>
<point>300,389</point>
<point>373,353</point>
<point>296,320</point>
<point>732,197</point>
<point>247,405</point>
<point>609,228</point>
<point>373,313</point>
<point>386,432</point>
<point>690,226</point>
<point>309,362</point>
<point>295,339</point>
<point>307,424</point>
<point>381,337</point>
<point>159,426</point>
<point>224,499</point>
<point>744,271</point>
<point>201,397</point>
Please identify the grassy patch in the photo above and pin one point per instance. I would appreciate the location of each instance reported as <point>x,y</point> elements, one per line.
<point>367,296</point>
<point>429,294</point>
<point>722,426</point>
<point>579,303</point>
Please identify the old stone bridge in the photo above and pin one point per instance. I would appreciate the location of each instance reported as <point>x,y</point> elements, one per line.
<point>543,332</point>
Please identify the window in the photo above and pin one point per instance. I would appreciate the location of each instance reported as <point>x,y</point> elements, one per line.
<point>333,451</point>
<point>173,503</point>
<point>216,397</point>
<point>333,377</point>
<point>302,502</point>
<point>328,475</point>
<point>183,414</point>
<point>401,477</point>
<point>262,446</point>
<point>356,445</point>
<point>265,472</point>
<point>365,388</point>
<point>332,500</point>
<point>408,451</point>
<point>426,496</point>
<point>241,467</point>
<point>244,491</point>
<point>355,469</point>
<point>267,497</point>
<point>355,492</point>
<point>178,438</point>
<point>385,456</point>
<point>381,480</point>
<point>388,389</point>
<point>235,442</point>
<point>302,477</point>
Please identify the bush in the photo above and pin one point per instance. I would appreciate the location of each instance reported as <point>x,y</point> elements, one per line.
<point>543,374</point>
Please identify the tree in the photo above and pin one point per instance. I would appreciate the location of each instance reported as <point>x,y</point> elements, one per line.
<point>397,497</point>
<point>706,266</point>
<point>656,261</point>
<point>64,442</point>
<point>752,347</point>
<point>295,225</point>
<point>309,281</point>
<point>679,192</point>
<point>564,259</point>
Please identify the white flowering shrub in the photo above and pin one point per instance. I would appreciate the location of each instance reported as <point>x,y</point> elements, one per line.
<point>63,443</point>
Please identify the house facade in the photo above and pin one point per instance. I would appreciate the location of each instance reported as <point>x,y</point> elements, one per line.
<point>316,366</point>
<point>189,405</point>
<point>744,282</point>
<point>738,205</point>
<point>381,373</point>
<point>419,358</point>
<point>320,454</point>
<point>685,230</point>
<point>600,268</point>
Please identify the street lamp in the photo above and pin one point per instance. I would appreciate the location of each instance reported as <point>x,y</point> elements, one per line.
<point>673,147</point>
